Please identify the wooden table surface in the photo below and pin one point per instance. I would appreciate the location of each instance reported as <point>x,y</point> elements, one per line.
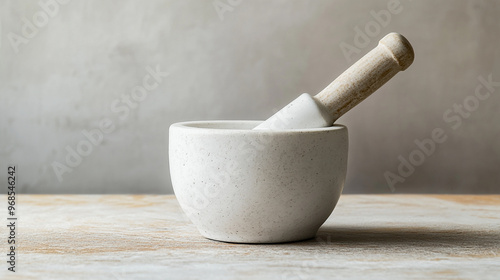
<point>148,237</point>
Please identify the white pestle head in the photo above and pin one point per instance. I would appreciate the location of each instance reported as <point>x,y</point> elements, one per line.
<point>304,111</point>
<point>393,54</point>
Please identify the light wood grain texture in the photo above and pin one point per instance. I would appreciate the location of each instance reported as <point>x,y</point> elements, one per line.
<point>148,237</point>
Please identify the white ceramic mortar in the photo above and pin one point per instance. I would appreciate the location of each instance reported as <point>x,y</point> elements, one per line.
<point>257,186</point>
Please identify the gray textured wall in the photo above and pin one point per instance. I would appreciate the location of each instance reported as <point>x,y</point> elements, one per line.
<point>71,69</point>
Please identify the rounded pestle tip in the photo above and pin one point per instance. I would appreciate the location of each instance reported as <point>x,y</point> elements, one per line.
<point>400,48</point>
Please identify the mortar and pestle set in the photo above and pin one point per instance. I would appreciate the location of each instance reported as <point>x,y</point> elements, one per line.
<point>277,180</point>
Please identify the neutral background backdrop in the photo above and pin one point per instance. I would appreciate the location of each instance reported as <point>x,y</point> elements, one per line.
<point>63,77</point>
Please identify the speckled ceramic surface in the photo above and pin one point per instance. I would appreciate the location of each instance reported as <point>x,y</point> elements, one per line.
<point>242,185</point>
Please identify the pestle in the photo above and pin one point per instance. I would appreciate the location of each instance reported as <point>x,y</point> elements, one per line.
<point>393,54</point>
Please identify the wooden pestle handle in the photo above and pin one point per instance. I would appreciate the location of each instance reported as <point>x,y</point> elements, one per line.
<point>393,54</point>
